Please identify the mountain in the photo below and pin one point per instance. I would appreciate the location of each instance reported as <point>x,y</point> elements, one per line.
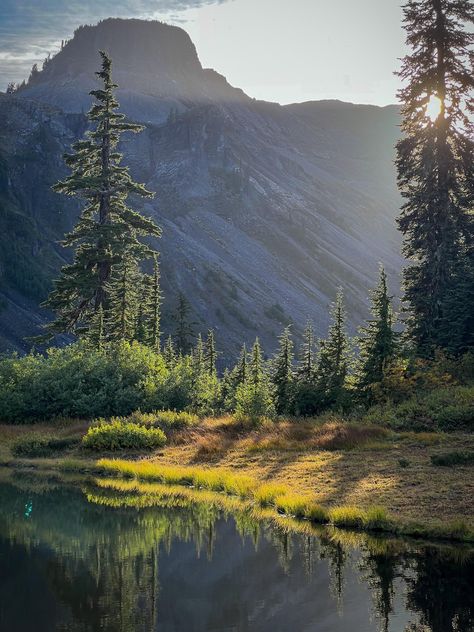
<point>265,209</point>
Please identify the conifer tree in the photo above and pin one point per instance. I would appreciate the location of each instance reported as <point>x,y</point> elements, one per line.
<point>96,333</point>
<point>332,363</point>
<point>253,398</point>
<point>198,357</point>
<point>184,327</point>
<point>108,230</point>
<point>123,299</point>
<point>150,309</point>
<point>282,374</point>
<point>306,365</point>
<point>210,354</point>
<point>378,341</point>
<point>169,353</point>
<point>436,169</point>
<point>240,371</point>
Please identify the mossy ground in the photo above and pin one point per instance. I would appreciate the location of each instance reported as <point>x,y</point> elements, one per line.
<point>333,464</point>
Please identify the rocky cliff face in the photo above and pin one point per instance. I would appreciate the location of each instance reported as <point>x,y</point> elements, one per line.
<point>265,209</point>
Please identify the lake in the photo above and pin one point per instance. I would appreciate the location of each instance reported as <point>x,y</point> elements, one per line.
<point>75,557</point>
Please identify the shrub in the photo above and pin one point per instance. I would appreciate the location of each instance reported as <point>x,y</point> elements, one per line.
<point>253,402</point>
<point>446,409</point>
<point>164,419</point>
<point>118,435</point>
<point>36,445</point>
<point>450,459</point>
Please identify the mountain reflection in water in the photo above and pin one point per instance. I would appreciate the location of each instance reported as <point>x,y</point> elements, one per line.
<point>72,558</point>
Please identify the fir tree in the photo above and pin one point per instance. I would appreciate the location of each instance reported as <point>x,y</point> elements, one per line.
<point>253,399</point>
<point>108,230</point>
<point>282,374</point>
<point>306,368</point>
<point>436,168</point>
<point>123,301</point>
<point>184,327</point>
<point>377,343</point>
<point>332,363</point>
<point>210,354</point>
<point>198,357</point>
<point>96,333</point>
<point>150,309</point>
<point>169,353</point>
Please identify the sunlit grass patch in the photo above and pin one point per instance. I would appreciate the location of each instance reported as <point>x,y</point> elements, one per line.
<point>352,517</point>
<point>300,507</point>
<point>265,494</point>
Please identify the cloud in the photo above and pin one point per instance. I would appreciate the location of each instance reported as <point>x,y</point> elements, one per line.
<point>30,29</point>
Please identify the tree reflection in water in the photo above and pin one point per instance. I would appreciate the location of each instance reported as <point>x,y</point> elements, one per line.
<point>82,561</point>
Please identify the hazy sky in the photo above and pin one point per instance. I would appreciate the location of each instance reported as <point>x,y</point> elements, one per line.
<point>276,50</point>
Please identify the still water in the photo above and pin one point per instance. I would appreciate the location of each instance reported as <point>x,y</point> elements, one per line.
<point>77,558</point>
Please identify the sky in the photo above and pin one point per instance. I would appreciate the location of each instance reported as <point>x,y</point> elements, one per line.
<point>277,50</point>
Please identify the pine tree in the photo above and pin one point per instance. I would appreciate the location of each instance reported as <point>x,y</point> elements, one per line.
<point>282,374</point>
<point>184,327</point>
<point>123,300</point>
<point>108,231</point>
<point>436,167</point>
<point>96,333</point>
<point>210,354</point>
<point>332,363</point>
<point>198,357</point>
<point>306,364</point>
<point>253,399</point>
<point>378,341</point>
<point>148,329</point>
<point>169,353</point>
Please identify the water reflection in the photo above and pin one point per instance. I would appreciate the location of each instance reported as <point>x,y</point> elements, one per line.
<point>74,558</point>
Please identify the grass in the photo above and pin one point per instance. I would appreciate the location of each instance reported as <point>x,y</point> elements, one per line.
<point>327,461</point>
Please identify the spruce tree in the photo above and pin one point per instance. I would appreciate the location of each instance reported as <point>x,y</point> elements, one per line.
<point>149,313</point>
<point>184,327</point>
<point>123,300</point>
<point>332,365</point>
<point>253,398</point>
<point>282,374</point>
<point>435,165</point>
<point>169,353</point>
<point>306,365</point>
<point>108,231</point>
<point>210,353</point>
<point>378,341</point>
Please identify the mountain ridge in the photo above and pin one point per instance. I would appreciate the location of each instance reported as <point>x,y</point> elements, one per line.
<point>266,209</point>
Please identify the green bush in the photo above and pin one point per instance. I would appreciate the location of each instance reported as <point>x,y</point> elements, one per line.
<point>446,409</point>
<point>450,459</point>
<point>253,402</point>
<point>165,419</point>
<point>118,435</point>
<point>35,445</point>
<point>77,381</point>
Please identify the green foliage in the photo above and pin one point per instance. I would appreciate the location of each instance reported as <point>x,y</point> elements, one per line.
<point>36,445</point>
<point>450,459</point>
<point>377,342</point>
<point>282,374</point>
<point>445,409</point>
<point>79,381</point>
<point>106,239</point>
<point>253,398</point>
<point>120,435</point>
<point>435,173</point>
<point>184,326</point>
<point>165,419</point>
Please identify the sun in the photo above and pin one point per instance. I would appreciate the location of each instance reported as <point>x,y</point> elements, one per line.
<point>433,108</point>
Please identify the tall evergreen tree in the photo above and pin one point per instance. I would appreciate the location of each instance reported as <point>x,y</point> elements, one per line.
<point>108,230</point>
<point>377,342</point>
<point>253,398</point>
<point>333,361</point>
<point>184,327</point>
<point>436,169</point>
<point>210,353</point>
<point>282,374</point>
<point>306,364</point>
<point>149,313</point>
<point>169,353</point>
<point>123,300</point>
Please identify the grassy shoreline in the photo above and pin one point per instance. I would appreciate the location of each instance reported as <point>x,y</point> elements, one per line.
<point>327,473</point>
